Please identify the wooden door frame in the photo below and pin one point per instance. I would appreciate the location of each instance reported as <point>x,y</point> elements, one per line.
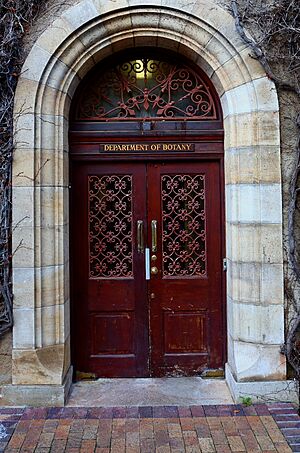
<point>84,147</point>
<point>89,131</point>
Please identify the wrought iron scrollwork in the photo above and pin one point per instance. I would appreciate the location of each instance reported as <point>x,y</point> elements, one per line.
<point>110,226</point>
<point>183,221</point>
<point>146,89</point>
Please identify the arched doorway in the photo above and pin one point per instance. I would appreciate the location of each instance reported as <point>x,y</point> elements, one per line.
<point>147,219</point>
<point>65,52</point>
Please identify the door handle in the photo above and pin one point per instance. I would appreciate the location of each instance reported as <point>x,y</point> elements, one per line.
<point>147,263</point>
<point>154,235</point>
<point>140,236</point>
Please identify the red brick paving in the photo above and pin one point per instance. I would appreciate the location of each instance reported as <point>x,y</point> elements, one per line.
<point>273,428</point>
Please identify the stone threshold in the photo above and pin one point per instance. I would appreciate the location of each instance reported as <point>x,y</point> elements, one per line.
<point>149,392</point>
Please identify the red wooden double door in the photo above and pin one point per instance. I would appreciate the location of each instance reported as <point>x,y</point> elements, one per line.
<point>147,268</point>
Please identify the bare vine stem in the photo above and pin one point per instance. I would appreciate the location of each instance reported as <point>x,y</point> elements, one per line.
<point>259,53</point>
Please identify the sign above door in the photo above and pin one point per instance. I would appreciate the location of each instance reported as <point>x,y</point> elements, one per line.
<point>146,147</point>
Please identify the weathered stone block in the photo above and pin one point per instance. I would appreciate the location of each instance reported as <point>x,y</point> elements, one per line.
<point>23,167</point>
<point>231,71</point>
<point>37,395</point>
<point>24,328</point>
<point>24,130</point>
<point>258,243</point>
<point>257,324</point>
<point>254,203</point>
<point>52,38</point>
<point>104,6</point>
<point>23,206</point>
<point>43,366</point>
<point>23,103</point>
<point>257,362</point>
<point>118,43</point>
<point>144,38</point>
<point>23,247</point>
<point>252,129</point>
<point>256,283</point>
<point>253,96</point>
<point>49,285</point>
<point>253,165</point>
<point>50,249</point>
<point>80,13</point>
<point>50,324</point>
<point>24,287</point>
<point>35,63</point>
<point>53,208</point>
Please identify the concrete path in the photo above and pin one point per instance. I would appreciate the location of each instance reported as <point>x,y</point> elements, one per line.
<point>159,429</point>
<point>150,392</point>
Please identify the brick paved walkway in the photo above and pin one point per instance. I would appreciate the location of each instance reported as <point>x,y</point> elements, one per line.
<point>222,429</point>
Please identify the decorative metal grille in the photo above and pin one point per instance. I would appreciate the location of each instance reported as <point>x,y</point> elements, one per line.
<point>110,226</point>
<point>146,89</point>
<point>183,222</point>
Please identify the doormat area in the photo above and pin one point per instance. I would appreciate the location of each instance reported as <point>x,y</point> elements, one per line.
<point>213,428</point>
<point>128,392</point>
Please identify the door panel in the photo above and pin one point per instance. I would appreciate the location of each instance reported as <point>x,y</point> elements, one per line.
<point>186,311</point>
<point>123,324</point>
<point>109,288</point>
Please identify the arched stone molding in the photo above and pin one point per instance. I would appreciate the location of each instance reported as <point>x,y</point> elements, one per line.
<point>84,35</point>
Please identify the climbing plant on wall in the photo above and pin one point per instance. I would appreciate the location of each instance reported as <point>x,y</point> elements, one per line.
<point>16,19</point>
<point>275,42</point>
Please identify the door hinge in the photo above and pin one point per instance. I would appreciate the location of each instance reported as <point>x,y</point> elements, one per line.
<point>224,264</point>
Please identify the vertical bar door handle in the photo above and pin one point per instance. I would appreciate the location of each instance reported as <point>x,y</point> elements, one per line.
<point>147,263</point>
<point>154,235</point>
<point>140,236</point>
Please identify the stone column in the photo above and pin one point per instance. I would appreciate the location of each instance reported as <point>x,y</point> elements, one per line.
<point>255,302</point>
<point>41,372</point>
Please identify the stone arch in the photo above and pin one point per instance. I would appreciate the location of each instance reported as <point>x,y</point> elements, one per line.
<point>60,58</point>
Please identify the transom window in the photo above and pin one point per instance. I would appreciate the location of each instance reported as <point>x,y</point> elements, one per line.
<point>145,89</point>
